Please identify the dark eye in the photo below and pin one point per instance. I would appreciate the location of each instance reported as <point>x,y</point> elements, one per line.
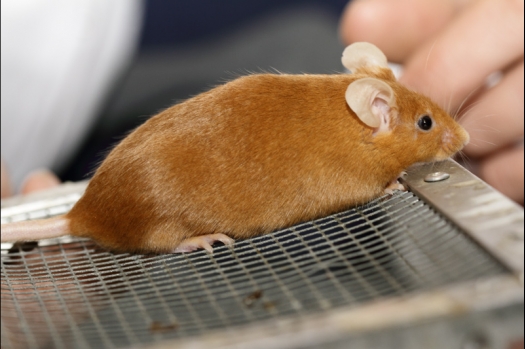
<point>425,122</point>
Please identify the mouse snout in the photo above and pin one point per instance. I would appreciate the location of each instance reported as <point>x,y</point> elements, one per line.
<point>453,141</point>
<point>461,137</point>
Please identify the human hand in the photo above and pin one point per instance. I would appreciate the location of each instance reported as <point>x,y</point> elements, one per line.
<point>35,181</point>
<point>449,49</point>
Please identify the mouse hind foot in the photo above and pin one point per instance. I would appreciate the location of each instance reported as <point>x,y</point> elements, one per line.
<point>203,241</point>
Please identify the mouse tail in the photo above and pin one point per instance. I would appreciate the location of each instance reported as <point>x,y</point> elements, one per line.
<point>35,229</point>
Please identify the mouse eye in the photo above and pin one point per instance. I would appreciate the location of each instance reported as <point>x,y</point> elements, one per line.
<point>425,123</point>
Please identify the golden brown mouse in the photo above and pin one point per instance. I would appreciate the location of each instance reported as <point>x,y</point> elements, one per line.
<point>259,153</point>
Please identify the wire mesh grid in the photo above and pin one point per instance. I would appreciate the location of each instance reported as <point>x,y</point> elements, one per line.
<point>68,292</point>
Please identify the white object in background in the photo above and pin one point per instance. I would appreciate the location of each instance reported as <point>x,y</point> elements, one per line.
<point>59,59</point>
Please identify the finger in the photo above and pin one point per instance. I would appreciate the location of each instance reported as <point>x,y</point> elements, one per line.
<point>504,171</point>
<point>496,120</point>
<point>486,37</point>
<point>6,183</point>
<point>396,27</point>
<point>39,180</point>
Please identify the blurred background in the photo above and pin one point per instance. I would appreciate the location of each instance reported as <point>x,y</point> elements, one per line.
<point>76,78</point>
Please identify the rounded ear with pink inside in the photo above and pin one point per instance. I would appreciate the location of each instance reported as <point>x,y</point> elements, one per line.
<point>363,54</point>
<point>372,101</point>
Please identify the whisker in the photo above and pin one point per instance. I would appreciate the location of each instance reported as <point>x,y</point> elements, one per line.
<point>466,98</point>
<point>481,130</point>
<point>474,124</point>
<point>449,104</point>
<point>484,116</point>
<point>485,141</point>
<point>432,165</point>
<point>429,53</point>
<point>491,128</point>
<point>462,113</point>
<point>464,158</point>
<point>444,102</point>
<point>466,161</point>
<point>487,115</point>
<point>486,128</point>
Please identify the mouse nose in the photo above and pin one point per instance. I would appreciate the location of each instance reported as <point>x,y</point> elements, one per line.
<point>465,136</point>
<point>453,140</point>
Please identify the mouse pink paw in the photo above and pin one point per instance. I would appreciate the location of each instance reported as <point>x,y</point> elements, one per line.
<point>203,241</point>
<point>394,185</point>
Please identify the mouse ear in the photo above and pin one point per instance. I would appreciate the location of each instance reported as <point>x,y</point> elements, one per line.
<point>361,54</point>
<point>371,100</point>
